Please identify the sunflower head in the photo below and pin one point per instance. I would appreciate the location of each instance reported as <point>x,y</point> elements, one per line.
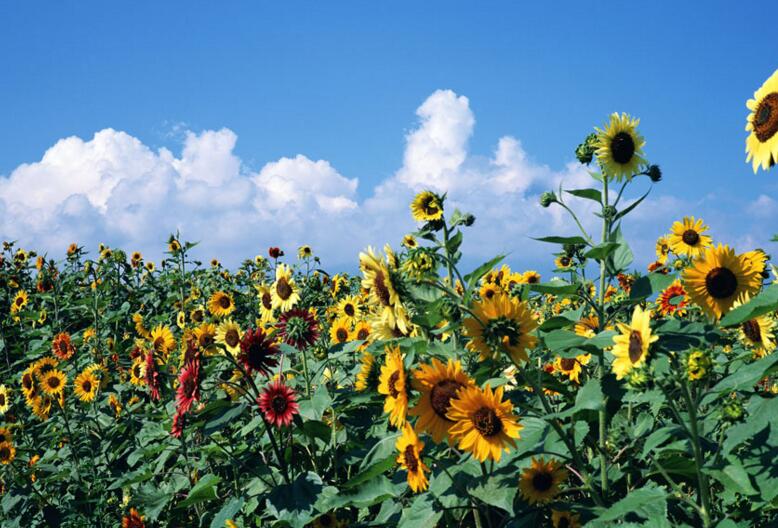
<point>620,147</point>
<point>221,304</point>
<point>631,346</point>
<point>540,482</point>
<point>409,458</point>
<point>687,237</point>
<point>502,325</point>
<point>85,386</point>
<point>762,123</point>
<point>392,385</point>
<point>427,207</point>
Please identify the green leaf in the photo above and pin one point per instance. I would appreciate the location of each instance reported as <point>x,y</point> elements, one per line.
<point>555,323</point>
<point>204,490</point>
<point>590,396</point>
<point>649,285</point>
<point>646,503</point>
<point>765,302</point>
<point>558,340</point>
<point>555,287</point>
<point>227,512</point>
<point>475,275</point>
<point>225,416</point>
<point>590,194</point>
<point>421,513</point>
<point>631,206</point>
<point>745,377</point>
<point>602,251</point>
<point>371,472</point>
<point>498,492</point>
<point>294,503</point>
<point>734,476</point>
<point>563,240</point>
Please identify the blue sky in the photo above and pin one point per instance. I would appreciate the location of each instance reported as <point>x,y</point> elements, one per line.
<point>340,81</point>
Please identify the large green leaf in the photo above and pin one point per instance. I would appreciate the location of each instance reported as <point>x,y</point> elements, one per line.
<point>294,503</point>
<point>650,285</point>
<point>765,302</point>
<point>647,502</point>
<point>204,490</point>
<point>589,194</point>
<point>563,240</point>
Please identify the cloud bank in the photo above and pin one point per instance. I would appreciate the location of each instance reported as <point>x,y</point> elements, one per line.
<point>114,189</point>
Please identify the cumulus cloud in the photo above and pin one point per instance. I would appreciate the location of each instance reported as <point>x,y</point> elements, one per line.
<point>115,189</point>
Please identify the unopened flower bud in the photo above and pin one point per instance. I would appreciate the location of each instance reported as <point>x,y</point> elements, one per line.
<point>547,198</point>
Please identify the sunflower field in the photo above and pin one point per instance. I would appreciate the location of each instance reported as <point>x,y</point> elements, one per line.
<point>412,393</point>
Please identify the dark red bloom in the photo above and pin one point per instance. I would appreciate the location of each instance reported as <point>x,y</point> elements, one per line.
<point>257,351</point>
<point>275,252</point>
<point>278,403</point>
<point>178,425</point>
<point>152,376</point>
<point>188,386</point>
<point>297,327</point>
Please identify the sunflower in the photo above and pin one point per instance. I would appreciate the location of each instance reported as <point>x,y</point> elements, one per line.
<point>757,259</point>
<point>257,351</point>
<point>138,372</point>
<point>28,380</point>
<point>228,334</point>
<point>150,266</point>
<point>716,280</point>
<point>540,482</point>
<point>565,519</point>
<point>484,424</point>
<point>5,435</point>
<point>348,308</point>
<point>340,331</point>
<point>698,364</point>
<point>392,384</point>
<point>672,300</point>
<point>41,407</point>
<point>438,384</point>
<point>563,262</point>
<point>141,330</point>
<point>5,400</point>
<point>631,346</point>
<point>205,334</point>
<point>298,328</point>
<point>762,123</point>
<point>197,314</point>
<point>134,519</point>
<point>409,459</point>
<point>426,207</point>
<point>757,333</point>
<point>368,374</point>
<point>489,290</point>
<point>620,147</point>
<point>19,301</point>
<point>502,324</point>
<point>284,291</point>
<point>410,242</point>
<point>86,385</point>
<point>571,367</point>
<point>100,372</point>
<point>181,320</point>
<point>115,404</point>
<point>278,403</point>
<point>304,252</point>
<point>7,453</point>
<point>587,326</point>
<point>53,382</point>
<point>44,364</point>
<point>62,347</point>
<point>361,331</point>
<point>162,340</point>
<point>687,237</point>
<point>531,277</point>
<point>379,282</point>
<point>662,249</point>
<point>221,304</point>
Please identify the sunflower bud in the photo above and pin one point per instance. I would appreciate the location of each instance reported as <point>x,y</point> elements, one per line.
<point>585,151</point>
<point>547,198</point>
<point>468,220</point>
<point>655,173</point>
<point>732,411</point>
<point>609,211</point>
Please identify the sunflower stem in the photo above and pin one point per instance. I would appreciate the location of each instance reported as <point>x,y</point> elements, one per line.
<point>702,482</point>
<point>601,415</point>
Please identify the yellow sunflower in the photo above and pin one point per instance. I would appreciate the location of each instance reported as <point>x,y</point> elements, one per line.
<point>265,303</point>
<point>284,290</point>
<point>484,424</point>
<point>662,249</point>
<point>716,280</point>
<point>587,326</point>
<point>348,308</point>
<point>138,372</point>
<point>392,384</point>
<point>304,252</point>
<point>5,435</point>
<point>140,328</point>
<point>361,331</point>
<point>162,340</point>
<point>502,325</point>
<point>229,334</point>
<point>19,301</point>
<point>489,290</point>
<point>7,453</point>
<point>5,400</point>
<point>571,367</point>
<point>86,385</point>
<point>197,314</point>
<point>410,242</point>
<point>367,376</point>
<point>340,331</point>
<point>409,459</point>
<point>221,304</point>
<point>427,206</point>
<point>53,382</point>
<point>181,320</point>
<point>438,384</point>
<point>28,380</point>
<point>383,294</point>
<point>762,123</point>
<point>563,262</point>
<point>565,519</point>
<point>540,482</point>
<point>631,346</point>
<point>205,334</point>
<point>757,333</point>
<point>531,277</point>
<point>687,237</point>
<point>757,259</point>
<point>620,147</point>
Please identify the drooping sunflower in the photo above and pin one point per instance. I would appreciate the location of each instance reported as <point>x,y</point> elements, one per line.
<point>662,249</point>
<point>340,331</point>
<point>438,383</point>
<point>86,385</point>
<point>19,301</point>
<point>631,346</point>
<point>348,308</point>
<point>62,347</point>
<point>221,304</point>
<point>484,424</point>
<point>162,340</point>
<point>620,147</point>
<point>571,367</point>
<point>278,403</point>
<point>392,384</point>
<point>687,237</point>
<point>757,259</point>
<point>5,400</point>
<point>565,519</point>
<point>762,123</point>
<point>716,280</point>
<point>140,328</point>
<point>138,372</point>
<point>672,300</point>
<point>427,206</point>
<point>409,459</point>
<point>540,482</point>
<point>7,453</point>
<point>410,242</point>
<point>284,290</point>
<point>368,375</point>
<point>502,325</point>
<point>757,333</point>
<point>53,382</point>
<point>304,252</point>
<point>228,334</point>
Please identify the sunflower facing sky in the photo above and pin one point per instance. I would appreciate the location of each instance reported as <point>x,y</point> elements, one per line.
<point>391,383</point>
<point>762,123</point>
<point>502,325</point>
<point>409,459</point>
<point>631,346</point>
<point>718,278</point>
<point>540,482</point>
<point>620,147</point>
<point>284,290</point>
<point>438,383</point>
<point>484,423</point>
<point>687,237</point>
<point>427,206</point>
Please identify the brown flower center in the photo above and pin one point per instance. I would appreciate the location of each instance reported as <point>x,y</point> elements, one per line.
<point>489,293</point>
<point>564,261</point>
<point>232,338</point>
<point>279,403</point>
<point>393,392</point>
<point>563,522</point>
<point>267,301</point>
<point>2,399</point>
<point>766,118</point>
<point>542,481</point>
<point>283,289</point>
<point>86,386</point>
<point>690,237</point>
<point>752,330</point>
<point>205,340</point>
<point>19,301</point>
<point>224,302</point>
<point>487,422</point>
<point>721,283</point>
<point>363,334</point>
<point>622,148</point>
<point>53,382</point>
<point>567,364</point>
<point>349,310</point>
<point>635,346</point>
<point>5,453</point>
<point>342,335</point>
<point>430,206</point>
<point>411,462</point>
<point>382,292</point>
<point>441,394</point>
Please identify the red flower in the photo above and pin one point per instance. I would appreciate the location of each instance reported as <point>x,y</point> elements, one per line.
<point>297,327</point>
<point>178,425</point>
<point>279,403</point>
<point>133,520</point>
<point>152,376</point>
<point>62,347</point>
<point>188,386</point>
<point>275,252</point>
<point>257,351</point>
